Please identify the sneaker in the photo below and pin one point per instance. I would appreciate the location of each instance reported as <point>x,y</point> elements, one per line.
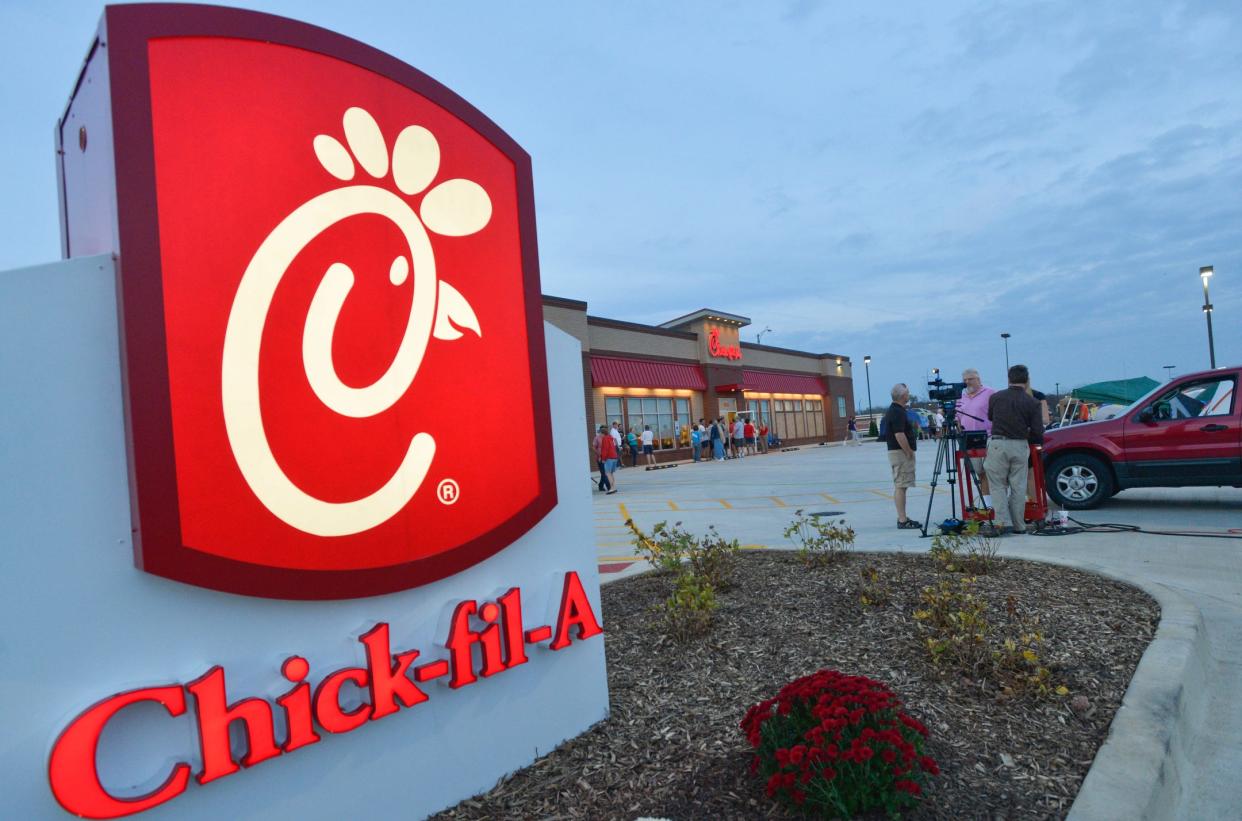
<point>610,492</point>
<point>909,524</point>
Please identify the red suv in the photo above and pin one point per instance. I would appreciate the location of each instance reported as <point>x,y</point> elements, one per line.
<point>1184,433</point>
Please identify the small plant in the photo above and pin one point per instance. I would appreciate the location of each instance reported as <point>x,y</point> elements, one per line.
<point>969,551</point>
<point>956,627</point>
<point>665,548</point>
<point>873,590</point>
<point>835,745</point>
<point>713,558</point>
<point>1018,666</point>
<point>821,541</point>
<point>689,611</point>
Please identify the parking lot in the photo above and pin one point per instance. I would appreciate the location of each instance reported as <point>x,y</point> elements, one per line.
<point>753,499</point>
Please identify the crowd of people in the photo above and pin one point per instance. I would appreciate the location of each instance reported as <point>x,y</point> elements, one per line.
<point>1013,419</point>
<point>715,440</point>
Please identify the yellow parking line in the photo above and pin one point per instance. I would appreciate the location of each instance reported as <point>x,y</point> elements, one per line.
<point>725,504</point>
<point>754,547</point>
<point>625,512</point>
<point>832,499</point>
<point>880,493</point>
<point>672,505</point>
<point>777,501</point>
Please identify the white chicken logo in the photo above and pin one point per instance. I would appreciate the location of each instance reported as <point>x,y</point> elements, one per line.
<point>454,208</point>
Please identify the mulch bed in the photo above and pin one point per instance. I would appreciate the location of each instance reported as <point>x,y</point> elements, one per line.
<point>671,747</point>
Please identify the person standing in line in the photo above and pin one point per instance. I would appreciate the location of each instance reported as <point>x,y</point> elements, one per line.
<point>763,436</point>
<point>902,440</point>
<point>695,442</point>
<point>648,445</point>
<point>615,432</point>
<point>739,438</point>
<point>717,438</point>
<point>972,413</point>
<point>597,446</point>
<point>748,433</point>
<point>939,417</point>
<point>609,454</point>
<point>1017,423</point>
<point>631,442</point>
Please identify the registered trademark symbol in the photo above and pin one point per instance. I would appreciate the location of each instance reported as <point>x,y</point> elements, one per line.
<point>448,491</point>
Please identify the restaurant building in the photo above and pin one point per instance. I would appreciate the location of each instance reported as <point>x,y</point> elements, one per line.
<point>670,375</point>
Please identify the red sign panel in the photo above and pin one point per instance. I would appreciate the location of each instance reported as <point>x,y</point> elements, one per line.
<point>331,311</point>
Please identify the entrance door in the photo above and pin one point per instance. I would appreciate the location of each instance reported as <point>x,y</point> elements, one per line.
<point>728,408</point>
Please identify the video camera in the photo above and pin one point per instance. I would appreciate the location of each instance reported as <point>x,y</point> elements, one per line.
<point>944,392</point>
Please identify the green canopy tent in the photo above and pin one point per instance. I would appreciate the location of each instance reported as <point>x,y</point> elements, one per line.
<point>1115,392</point>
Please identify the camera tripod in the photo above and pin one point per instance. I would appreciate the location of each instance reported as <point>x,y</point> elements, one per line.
<point>946,461</point>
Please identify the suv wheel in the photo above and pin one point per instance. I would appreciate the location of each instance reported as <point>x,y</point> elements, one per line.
<point>1079,481</point>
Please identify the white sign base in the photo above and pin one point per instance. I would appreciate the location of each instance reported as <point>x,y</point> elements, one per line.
<point>81,623</point>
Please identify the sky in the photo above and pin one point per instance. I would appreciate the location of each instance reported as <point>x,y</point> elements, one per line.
<point>907,181</point>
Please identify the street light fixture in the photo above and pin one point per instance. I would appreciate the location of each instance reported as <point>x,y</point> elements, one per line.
<point>870,405</point>
<point>1006,338</point>
<point>1205,273</point>
<point>1169,369</point>
<point>759,336</point>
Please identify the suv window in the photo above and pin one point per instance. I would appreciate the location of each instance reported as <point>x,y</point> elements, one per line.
<point>1210,397</point>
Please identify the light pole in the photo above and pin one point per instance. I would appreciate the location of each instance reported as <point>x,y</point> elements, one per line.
<point>1169,369</point>
<point>870,406</point>
<point>1006,338</point>
<point>1205,273</point>
<point>1058,394</point>
<point>759,336</point>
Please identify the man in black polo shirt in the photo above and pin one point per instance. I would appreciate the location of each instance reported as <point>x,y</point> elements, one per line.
<point>900,437</point>
<point>1017,423</point>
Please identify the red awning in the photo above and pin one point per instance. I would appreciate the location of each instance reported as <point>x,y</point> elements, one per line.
<point>768,382</point>
<point>614,372</point>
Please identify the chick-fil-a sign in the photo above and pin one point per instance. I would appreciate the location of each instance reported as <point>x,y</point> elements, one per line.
<point>331,311</point>
<point>723,350</point>
<point>494,631</point>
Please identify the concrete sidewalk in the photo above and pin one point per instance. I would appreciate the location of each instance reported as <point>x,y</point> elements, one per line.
<point>1176,742</point>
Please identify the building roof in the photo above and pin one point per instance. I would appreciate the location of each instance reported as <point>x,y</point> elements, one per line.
<point>709,314</point>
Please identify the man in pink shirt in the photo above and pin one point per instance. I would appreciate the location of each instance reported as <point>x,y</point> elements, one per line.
<point>972,414</point>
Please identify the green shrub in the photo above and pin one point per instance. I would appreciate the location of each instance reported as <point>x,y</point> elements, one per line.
<point>713,558</point>
<point>689,612</point>
<point>968,552</point>
<point>820,540</point>
<point>665,548</point>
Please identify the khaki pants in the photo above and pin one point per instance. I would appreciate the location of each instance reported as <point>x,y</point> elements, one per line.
<point>1006,469</point>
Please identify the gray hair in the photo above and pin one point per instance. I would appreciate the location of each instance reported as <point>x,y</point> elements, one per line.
<point>969,372</point>
<point>899,391</point>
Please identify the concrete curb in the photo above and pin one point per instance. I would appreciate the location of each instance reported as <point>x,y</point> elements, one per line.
<point>1140,770</point>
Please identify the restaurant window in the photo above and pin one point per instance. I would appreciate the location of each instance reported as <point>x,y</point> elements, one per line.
<point>841,406</point>
<point>667,417</point>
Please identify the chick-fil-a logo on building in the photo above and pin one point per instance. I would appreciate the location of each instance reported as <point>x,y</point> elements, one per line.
<point>332,321</point>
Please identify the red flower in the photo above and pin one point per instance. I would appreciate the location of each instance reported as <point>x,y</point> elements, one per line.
<point>929,765</point>
<point>908,786</point>
<point>889,756</point>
